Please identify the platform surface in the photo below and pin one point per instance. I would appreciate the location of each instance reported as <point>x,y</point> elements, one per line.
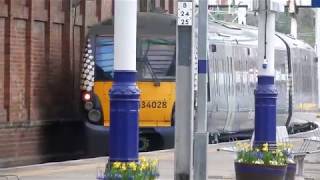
<point>220,166</point>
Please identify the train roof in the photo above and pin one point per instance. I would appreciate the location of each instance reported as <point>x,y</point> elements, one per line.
<point>159,25</point>
<point>248,35</point>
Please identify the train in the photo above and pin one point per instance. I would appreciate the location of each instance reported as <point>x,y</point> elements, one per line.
<point>232,78</point>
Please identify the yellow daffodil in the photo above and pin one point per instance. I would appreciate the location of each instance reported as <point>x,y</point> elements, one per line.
<point>132,165</point>
<point>123,166</point>
<point>154,163</point>
<point>116,165</point>
<point>142,159</point>
<point>265,147</point>
<point>147,168</point>
<point>143,167</point>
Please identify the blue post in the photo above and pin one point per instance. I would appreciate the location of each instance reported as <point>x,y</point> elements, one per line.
<point>124,111</point>
<point>266,92</point>
<point>265,111</point>
<point>124,94</point>
<point>315,3</point>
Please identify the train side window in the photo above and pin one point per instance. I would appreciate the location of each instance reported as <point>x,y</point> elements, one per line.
<point>232,77</point>
<point>213,48</point>
<point>241,76</point>
<point>221,76</point>
<point>214,72</point>
<point>228,78</point>
<point>224,70</point>
<point>247,76</point>
<point>217,76</point>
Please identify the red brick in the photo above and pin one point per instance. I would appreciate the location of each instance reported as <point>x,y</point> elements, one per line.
<point>39,72</point>
<point>2,74</point>
<point>17,71</point>
<point>106,13</point>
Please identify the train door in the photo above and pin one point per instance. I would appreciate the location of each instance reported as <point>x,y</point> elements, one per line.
<point>281,82</point>
<point>218,113</point>
<point>314,78</point>
<point>241,121</point>
<point>229,85</point>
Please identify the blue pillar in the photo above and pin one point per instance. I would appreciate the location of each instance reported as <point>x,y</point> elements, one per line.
<point>124,111</point>
<point>266,92</point>
<point>124,94</point>
<point>265,111</point>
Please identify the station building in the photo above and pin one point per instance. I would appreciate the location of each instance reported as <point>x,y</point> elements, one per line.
<point>40,49</point>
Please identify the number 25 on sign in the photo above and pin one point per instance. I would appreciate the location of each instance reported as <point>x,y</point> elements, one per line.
<point>184,13</point>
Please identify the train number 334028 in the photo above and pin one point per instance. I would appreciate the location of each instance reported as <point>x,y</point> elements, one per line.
<point>153,104</point>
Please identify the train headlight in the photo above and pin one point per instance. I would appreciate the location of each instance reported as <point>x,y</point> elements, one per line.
<point>94,116</point>
<point>88,105</point>
<point>86,96</point>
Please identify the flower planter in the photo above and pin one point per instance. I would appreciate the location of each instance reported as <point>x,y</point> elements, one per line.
<point>105,178</point>
<point>291,171</point>
<point>259,172</point>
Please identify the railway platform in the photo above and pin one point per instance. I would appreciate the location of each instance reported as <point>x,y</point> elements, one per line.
<point>220,166</point>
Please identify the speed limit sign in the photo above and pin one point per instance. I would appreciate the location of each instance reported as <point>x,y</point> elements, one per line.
<point>184,13</point>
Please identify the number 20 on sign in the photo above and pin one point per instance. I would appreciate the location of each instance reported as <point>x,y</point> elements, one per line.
<point>184,13</point>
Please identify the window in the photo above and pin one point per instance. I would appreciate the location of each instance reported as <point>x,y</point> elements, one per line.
<point>157,60</point>
<point>104,58</point>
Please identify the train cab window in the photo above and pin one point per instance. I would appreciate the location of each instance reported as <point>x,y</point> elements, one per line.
<point>157,60</point>
<point>104,58</point>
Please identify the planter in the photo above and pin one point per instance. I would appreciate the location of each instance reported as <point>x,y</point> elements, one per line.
<point>291,171</point>
<point>259,172</point>
<point>105,178</point>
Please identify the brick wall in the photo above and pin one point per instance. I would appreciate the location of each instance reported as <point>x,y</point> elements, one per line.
<point>40,51</point>
<point>168,5</point>
<point>39,71</point>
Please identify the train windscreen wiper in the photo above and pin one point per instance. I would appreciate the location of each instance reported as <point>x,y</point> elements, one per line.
<point>146,61</point>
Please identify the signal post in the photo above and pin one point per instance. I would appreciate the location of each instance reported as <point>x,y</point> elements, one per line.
<point>184,107</point>
<point>124,94</point>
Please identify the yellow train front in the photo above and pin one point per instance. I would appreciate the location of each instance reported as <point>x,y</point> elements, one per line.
<point>155,78</point>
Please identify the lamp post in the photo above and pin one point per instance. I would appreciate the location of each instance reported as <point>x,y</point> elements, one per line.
<point>124,94</point>
<point>265,92</point>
